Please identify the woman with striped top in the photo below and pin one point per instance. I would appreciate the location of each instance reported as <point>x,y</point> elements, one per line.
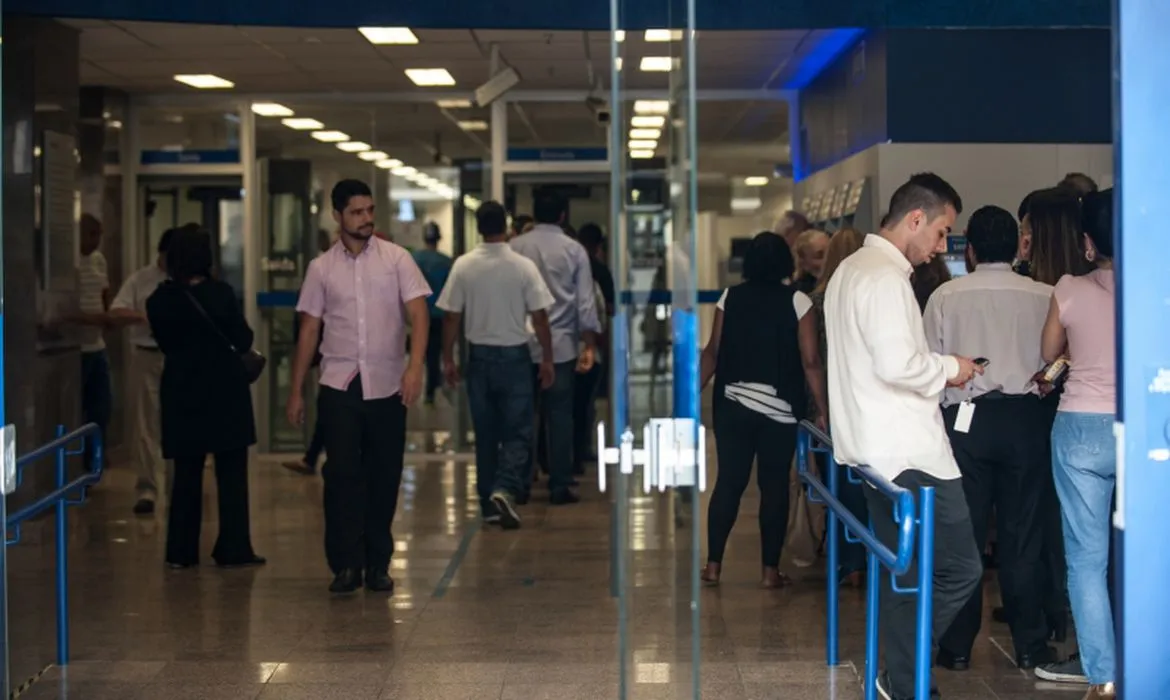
<point>762,353</point>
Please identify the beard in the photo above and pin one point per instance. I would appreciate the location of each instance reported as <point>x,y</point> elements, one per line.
<point>362,234</point>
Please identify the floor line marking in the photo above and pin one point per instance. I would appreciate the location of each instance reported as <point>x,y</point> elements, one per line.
<point>456,560</point>
<point>995,643</point>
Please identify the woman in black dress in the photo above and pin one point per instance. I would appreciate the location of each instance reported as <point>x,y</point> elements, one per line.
<point>206,402</point>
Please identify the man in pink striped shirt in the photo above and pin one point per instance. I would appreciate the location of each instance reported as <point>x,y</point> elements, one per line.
<point>363,289</point>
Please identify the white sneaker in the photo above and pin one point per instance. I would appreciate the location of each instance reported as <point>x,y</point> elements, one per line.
<point>509,518</point>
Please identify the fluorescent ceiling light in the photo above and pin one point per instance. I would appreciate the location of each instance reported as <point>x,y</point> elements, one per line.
<point>657,64</point>
<point>660,35</point>
<point>454,104</point>
<point>651,107</point>
<point>430,77</point>
<point>404,170</point>
<point>643,145</point>
<point>302,123</point>
<point>114,124</point>
<point>619,35</point>
<point>205,81</point>
<point>745,203</point>
<point>755,181</point>
<point>354,146</point>
<point>618,63</point>
<point>331,136</point>
<point>389,163</point>
<point>271,109</point>
<point>642,154</point>
<point>383,36</point>
<point>474,125</point>
<point>647,122</point>
<point>374,155</point>
<point>652,134</point>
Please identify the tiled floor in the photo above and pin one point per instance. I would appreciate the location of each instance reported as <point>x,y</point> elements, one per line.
<point>478,613</point>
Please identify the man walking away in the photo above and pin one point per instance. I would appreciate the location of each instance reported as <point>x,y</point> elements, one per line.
<point>435,267</point>
<point>564,265</point>
<point>491,292</point>
<point>362,289</point>
<point>999,429</point>
<point>884,387</point>
<point>146,365</point>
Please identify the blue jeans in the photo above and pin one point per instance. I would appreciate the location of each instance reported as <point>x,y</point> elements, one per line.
<point>97,396</point>
<point>500,392</point>
<point>1084,464</point>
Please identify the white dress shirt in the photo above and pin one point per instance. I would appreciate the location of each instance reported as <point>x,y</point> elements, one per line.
<point>884,382</point>
<point>993,313</point>
<point>93,283</point>
<point>133,295</point>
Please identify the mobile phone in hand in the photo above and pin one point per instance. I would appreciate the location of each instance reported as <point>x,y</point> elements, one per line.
<point>982,361</point>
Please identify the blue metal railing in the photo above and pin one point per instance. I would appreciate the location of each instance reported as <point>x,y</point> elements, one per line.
<point>910,522</point>
<point>63,496</point>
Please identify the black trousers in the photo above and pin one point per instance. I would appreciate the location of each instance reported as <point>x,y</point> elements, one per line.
<point>1007,467</point>
<point>364,443</point>
<point>585,416</point>
<point>185,516</point>
<point>434,357</point>
<point>741,437</point>
<point>958,568</point>
<point>316,445</point>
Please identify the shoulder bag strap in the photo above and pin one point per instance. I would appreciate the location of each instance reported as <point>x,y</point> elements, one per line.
<point>210,321</point>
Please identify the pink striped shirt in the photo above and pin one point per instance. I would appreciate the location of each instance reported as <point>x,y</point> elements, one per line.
<point>362,299</point>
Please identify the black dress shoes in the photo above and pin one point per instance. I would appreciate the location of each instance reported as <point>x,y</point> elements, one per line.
<point>1040,656</point>
<point>953,662</point>
<point>346,581</point>
<point>379,581</point>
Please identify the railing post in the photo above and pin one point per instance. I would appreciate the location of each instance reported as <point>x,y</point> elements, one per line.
<point>62,560</point>
<point>872,618</point>
<point>834,555</point>
<point>925,592</point>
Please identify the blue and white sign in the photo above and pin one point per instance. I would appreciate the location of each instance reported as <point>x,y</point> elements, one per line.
<point>529,155</point>
<point>173,157</point>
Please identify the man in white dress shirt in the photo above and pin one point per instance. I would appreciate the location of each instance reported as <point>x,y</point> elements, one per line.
<point>999,429</point>
<point>884,387</point>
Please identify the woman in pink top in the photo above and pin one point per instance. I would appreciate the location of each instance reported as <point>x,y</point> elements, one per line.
<point>1084,459</point>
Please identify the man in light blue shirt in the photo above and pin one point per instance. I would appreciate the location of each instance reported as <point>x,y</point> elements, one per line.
<point>435,267</point>
<point>564,265</point>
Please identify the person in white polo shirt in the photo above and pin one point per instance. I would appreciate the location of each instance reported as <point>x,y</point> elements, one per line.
<point>94,287</point>
<point>884,388</point>
<point>491,292</point>
<point>146,365</point>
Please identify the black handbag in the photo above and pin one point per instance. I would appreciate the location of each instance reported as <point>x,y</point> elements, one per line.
<point>251,360</point>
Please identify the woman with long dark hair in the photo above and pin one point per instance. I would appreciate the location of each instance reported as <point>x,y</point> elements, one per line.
<point>762,353</point>
<point>1054,218</point>
<point>206,401</point>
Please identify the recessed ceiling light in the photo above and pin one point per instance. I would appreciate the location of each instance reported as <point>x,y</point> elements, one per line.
<point>302,123</point>
<point>651,107</point>
<point>205,81</point>
<point>755,181</point>
<point>271,109</point>
<point>643,145</point>
<point>382,36</point>
<point>745,203</point>
<point>430,77</point>
<point>652,134</point>
<point>454,104</point>
<point>619,35</point>
<point>389,163</point>
<point>642,154</point>
<point>354,146</point>
<point>374,155</point>
<point>647,122</point>
<point>331,136</point>
<point>657,64</point>
<point>659,35</point>
<point>404,170</point>
<point>475,125</point>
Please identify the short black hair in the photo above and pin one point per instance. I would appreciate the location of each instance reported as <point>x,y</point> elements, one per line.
<point>346,190</point>
<point>548,207</point>
<point>1079,183</point>
<point>925,191</point>
<point>590,236</point>
<point>993,234</point>
<point>491,219</point>
<point>768,259</point>
<point>164,241</point>
<point>189,254</point>
<point>1097,220</point>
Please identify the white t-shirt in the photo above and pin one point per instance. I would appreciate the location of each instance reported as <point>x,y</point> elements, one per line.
<point>495,288</point>
<point>763,398</point>
<point>884,382</point>
<point>133,295</point>
<point>92,284</point>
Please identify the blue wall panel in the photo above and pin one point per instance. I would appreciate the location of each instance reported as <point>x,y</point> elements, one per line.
<point>590,14</point>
